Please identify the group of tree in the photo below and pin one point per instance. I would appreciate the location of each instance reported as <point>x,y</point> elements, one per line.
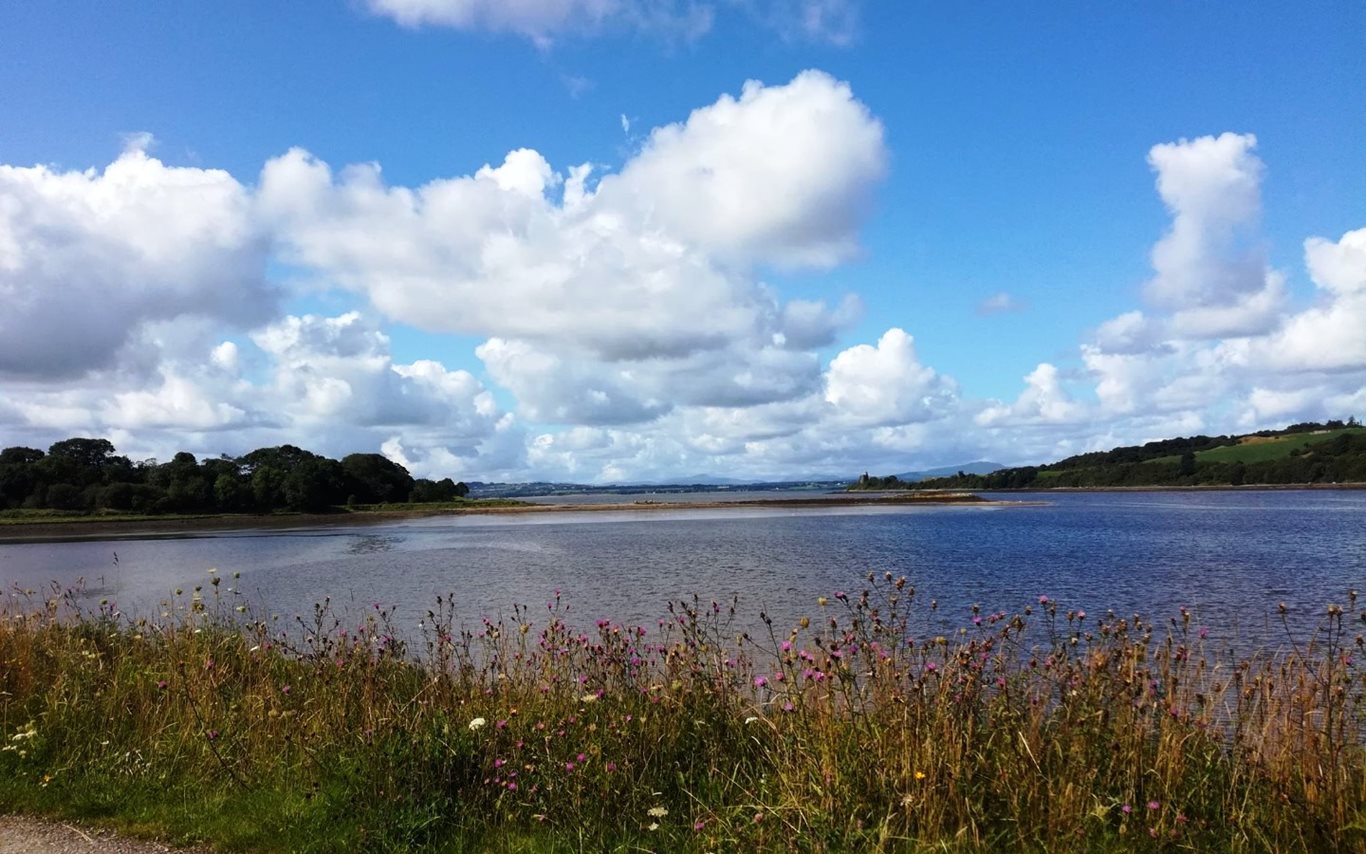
<point>1339,458</point>
<point>88,475</point>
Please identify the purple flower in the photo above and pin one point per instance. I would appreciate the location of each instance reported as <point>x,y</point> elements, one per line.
<point>760,681</point>
<point>1152,805</point>
<point>1126,809</point>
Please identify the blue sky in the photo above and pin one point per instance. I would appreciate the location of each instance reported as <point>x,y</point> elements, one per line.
<point>1003,213</point>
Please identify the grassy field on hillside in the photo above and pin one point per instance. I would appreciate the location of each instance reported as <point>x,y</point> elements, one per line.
<point>1257,449</point>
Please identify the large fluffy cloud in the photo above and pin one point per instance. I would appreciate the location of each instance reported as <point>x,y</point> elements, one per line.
<point>886,384</point>
<point>87,258</point>
<point>655,261</point>
<point>1210,269</point>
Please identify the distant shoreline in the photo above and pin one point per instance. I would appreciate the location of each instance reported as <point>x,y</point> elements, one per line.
<point>1205,487</point>
<point>85,528</point>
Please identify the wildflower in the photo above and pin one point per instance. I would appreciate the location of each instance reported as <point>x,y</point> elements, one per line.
<point>760,681</point>
<point>1152,805</point>
<point>751,719</point>
<point>657,812</point>
<point>161,684</point>
<point>477,724</point>
<point>1043,600</point>
<point>654,825</point>
<point>1204,632</point>
<point>1126,809</point>
<point>920,775</point>
<point>610,767</point>
<point>699,824</point>
<point>589,698</point>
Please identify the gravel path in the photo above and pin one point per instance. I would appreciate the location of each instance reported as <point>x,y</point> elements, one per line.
<point>25,835</point>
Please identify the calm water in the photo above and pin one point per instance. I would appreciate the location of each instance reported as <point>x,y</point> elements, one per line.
<point>1230,556</point>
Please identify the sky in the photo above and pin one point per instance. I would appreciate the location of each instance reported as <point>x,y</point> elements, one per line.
<point>631,240</point>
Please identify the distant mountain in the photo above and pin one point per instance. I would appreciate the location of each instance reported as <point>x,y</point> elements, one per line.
<point>698,483</point>
<point>978,467</point>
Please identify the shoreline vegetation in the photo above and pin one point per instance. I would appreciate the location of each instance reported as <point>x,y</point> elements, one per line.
<point>855,728</point>
<point>1308,454</point>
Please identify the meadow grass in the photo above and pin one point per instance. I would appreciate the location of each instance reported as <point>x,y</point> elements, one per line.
<point>858,728</point>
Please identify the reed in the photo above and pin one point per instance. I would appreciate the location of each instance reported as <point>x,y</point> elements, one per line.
<point>855,729</point>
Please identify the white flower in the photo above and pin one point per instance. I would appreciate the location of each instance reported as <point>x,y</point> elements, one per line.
<point>654,825</point>
<point>657,812</point>
<point>588,698</point>
<point>477,723</point>
<point>751,719</point>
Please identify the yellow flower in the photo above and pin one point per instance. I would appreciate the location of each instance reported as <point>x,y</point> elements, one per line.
<point>920,775</point>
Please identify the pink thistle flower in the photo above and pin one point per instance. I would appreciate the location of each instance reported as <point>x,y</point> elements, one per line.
<point>1152,805</point>
<point>1126,809</point>
<point>760,681</point>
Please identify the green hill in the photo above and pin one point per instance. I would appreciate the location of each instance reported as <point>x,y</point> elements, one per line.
<point>1305,453</point>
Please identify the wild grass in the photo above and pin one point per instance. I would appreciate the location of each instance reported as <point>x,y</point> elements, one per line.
<point>854,729</point>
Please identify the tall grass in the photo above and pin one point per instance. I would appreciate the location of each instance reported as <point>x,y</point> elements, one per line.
<point>854,729</point>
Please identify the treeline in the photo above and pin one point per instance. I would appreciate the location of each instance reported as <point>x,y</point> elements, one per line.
<point>78,475</point>
<point>1177,462</point>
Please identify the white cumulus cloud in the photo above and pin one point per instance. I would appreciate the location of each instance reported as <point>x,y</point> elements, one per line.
<point>88,258</point>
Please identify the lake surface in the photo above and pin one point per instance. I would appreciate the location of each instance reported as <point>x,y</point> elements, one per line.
<point>1229,556</point>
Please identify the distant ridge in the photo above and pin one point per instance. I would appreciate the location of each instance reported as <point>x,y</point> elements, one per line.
<point>977,467</point>
<point>1332,453</point>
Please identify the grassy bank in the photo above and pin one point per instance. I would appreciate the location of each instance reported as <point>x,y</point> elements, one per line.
<point>81,517</point>
<point>851,730</point>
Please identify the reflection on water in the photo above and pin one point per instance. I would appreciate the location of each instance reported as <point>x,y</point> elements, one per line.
<point>1229,556</point>
<point>371,543</point>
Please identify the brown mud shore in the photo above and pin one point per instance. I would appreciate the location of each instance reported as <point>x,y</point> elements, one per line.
<point>189,526</point>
